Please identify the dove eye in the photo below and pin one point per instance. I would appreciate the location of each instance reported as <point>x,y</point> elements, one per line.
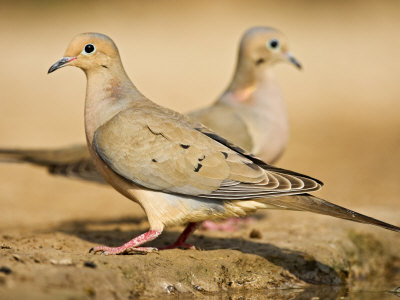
<point>89,48</point>
<point>273,44</point>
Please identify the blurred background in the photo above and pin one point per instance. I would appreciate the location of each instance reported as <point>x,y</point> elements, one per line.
<point>344,106</point>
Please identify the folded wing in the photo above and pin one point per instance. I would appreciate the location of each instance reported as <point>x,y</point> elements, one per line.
<point>165,151</point>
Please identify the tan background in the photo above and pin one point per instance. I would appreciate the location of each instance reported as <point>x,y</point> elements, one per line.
<point>344,107</point>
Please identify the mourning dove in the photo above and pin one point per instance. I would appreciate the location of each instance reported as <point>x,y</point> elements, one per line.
<point>250,112</point>
<point>178,170</point>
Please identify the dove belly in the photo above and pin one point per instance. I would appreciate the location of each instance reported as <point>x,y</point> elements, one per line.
<point>166,209</point>
<point>269,129</point>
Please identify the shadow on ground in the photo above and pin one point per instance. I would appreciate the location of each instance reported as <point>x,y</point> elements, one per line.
<point>302,265</point>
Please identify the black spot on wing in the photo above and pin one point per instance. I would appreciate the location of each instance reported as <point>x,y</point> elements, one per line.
<point>154,160</point>
<point>225,154</point>
<point>202,158</point>
<point>198,167</point>
<point>184,146</point>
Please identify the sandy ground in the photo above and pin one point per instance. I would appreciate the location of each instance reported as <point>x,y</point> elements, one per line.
<point>344,111</point>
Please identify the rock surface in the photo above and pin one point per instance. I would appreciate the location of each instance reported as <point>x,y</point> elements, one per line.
<point>320,257</point>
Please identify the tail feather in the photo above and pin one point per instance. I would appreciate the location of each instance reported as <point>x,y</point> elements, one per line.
<point>307,202</point>
<point>73,161</point>
<point>45,157</point>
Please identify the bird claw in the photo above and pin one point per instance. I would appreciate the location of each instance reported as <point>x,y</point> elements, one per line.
<point>95,250</point>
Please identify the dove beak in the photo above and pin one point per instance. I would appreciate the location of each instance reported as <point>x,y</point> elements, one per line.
<point>290,58</point>
<point>61,63</point>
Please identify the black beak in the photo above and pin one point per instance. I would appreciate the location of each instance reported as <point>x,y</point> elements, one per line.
<point>293,60</point>
<point>61,63</point>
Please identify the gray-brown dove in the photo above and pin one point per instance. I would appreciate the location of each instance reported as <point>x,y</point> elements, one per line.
<point>177,169</point>
<point>250,113</point>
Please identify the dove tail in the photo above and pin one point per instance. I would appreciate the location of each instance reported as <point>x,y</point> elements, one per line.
<point>307,202</point>
<point>71,161</point>
<point>22,156</point>
<point>44,157</point>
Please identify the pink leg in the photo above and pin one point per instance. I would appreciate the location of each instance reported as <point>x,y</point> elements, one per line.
<point>132,245</point>
<point>180,242</point>
<point>231,224</point>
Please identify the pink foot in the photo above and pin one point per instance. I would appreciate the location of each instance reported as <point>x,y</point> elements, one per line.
<point>131,246</point>
<point>229,225</point>
<point>180,242</point>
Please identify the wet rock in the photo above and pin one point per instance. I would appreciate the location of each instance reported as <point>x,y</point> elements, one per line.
<point>284,263</point>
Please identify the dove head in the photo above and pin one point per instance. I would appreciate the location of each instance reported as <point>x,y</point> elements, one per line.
<point>265,46</point>
<point>89,51</point>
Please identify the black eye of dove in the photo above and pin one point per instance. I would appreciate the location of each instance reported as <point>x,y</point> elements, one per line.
<point>89,48</point>
<point>274,44</point>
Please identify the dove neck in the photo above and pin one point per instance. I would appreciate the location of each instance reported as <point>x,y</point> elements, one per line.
<point>247,80</point>
<point>108,92</point>
<point>244,75</point>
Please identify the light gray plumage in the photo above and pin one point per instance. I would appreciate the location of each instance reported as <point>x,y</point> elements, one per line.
<point>177,169</point>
